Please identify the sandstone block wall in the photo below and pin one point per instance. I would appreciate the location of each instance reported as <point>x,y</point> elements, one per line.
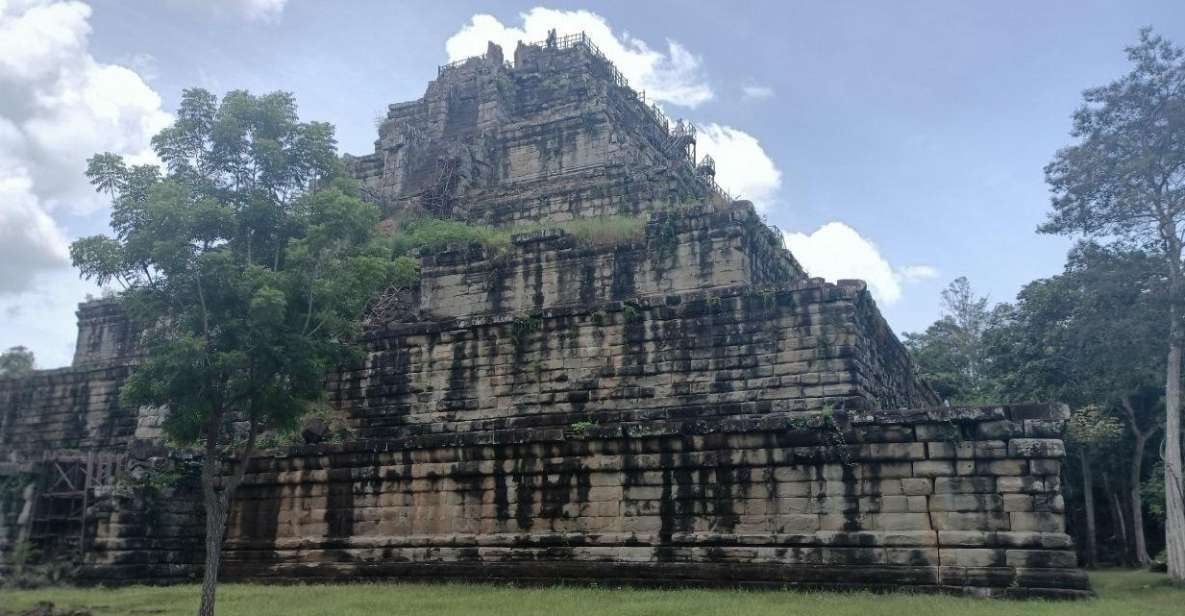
<point>965,500</point>
<point>683,250</point>
<point>798,347</point>
<point>68,408</point>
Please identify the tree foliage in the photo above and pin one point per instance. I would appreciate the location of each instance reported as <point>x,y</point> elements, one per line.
<point>16,361</point>
<point>949,353</point>
<point>249,260</point>
<point>1086,336</point>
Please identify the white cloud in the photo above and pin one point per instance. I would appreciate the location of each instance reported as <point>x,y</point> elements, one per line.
<point>836,251</point>
<point>756,93</point>
<point>917,273</point>
<point>253,10</point>
<point>30,241</point>
<point>58,106</point>
<point>673,77</point>
<point>742,166</point>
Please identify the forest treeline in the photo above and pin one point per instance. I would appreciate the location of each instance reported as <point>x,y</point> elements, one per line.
<point>1092,337</point>
<point>1106,335</point>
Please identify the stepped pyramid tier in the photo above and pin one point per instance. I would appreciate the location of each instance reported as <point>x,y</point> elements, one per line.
<point>676,402</point>
<point>558,135</point>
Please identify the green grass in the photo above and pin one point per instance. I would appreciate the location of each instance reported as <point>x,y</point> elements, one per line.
<point>1120,593</point>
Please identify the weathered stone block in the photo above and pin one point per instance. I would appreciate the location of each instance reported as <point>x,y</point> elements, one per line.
<point>1037,522</point>
<point>966,502</point>
<point>933,468</point>
<point>939,450</point>
<point>964,485</point>
<point>1018,502</point>
<point>1043,428</point>
<point>1036,448</point>
<point>1034,540</point>
<point>966,538</point>
<point>981,521</point>
<point>1002,467</point>
<point>999,430</point>
<point>917,486</point>
<point>1060,559</point>
<point>1025,483</point>
<point>971,557</point>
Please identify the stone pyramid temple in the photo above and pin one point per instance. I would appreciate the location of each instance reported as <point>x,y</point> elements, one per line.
<point>673,403</point>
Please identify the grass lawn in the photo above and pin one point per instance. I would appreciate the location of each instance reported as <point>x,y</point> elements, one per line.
<point>1120,593</point>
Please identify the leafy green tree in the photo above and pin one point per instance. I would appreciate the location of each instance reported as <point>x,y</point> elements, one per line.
<point>1084,337</point>
<point>16,361</point>
<point>949,353</point>
<point>250,261</point>
<point>1124,178</point>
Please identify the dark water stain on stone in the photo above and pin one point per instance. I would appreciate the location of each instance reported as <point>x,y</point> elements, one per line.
<point>523,490</point>
<point>339,505</point>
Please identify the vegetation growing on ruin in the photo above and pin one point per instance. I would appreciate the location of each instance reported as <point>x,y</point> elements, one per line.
<point>432,235</point>
<point>580,427</point>
<point>606,231</point>
<point>1120,593</point>
<point>16,361</point>
<point>429,234</point>
<point>522,327</point>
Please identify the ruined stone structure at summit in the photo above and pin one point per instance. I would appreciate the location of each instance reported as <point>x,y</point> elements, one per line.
<point>682,406</point>
<point>559,135</point>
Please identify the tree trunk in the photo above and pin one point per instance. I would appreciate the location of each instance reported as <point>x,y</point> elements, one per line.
<point>217,503</point>
<point>1135,489</point>
<point>1092,548</point>
<point>1174,523</point>
<point>1118,520</point>
<point>215,529</point>
<point>1174,527</point>
<point>1136,498</point>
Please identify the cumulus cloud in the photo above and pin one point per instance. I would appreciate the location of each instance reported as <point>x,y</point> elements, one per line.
<point>674,76</point>
<point>837,251</point>
<point>30,241</point>
<point>58,106</point>
<point>742,166</point>
<point>756,93</point>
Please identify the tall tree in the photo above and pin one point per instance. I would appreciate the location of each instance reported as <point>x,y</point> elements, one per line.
<point>249,261</point>
<point>1125,178</point>
<point>949,353</point>
<point>16,361</point>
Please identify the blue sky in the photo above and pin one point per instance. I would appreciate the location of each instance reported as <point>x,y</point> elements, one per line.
<point>898,141</point>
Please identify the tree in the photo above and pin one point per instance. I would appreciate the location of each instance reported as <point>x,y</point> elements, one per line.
<point>1124,179</point>
<point>949,354</point>
<point>1090,429</point>
<point>16,361</point>
<point>249,261</point>
<point>1084,337</point>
